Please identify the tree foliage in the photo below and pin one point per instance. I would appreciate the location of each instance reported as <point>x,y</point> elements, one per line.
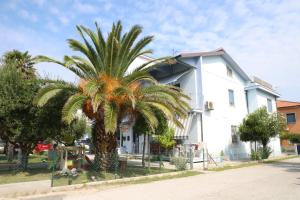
<point>292,137</point>
<point>22,122</point>
<point>260,126</point>
<point>166,140</point>
<point>23,62</point>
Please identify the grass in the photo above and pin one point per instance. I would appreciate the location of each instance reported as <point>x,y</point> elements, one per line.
<point>33,158</point>
<point>90,176</point>
<point>30,175</point>
<point>251,163</point>
<point>84,177</point>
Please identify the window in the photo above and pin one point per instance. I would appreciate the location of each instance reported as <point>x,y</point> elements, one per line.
<point>270,109</point>
<point>291,118</point>
<point>235,139</point>
<point>231,97</point>
<point>229,71</point>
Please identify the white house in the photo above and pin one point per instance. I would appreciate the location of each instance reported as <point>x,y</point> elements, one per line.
<point>222,94</point>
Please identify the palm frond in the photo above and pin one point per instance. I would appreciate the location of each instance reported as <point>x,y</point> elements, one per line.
<point>110,117</point>
<point>74,103</point>
<point>148,114</point>
<point>49,91</point>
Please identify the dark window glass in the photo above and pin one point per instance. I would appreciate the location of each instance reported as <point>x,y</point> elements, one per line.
<point>291,118</point>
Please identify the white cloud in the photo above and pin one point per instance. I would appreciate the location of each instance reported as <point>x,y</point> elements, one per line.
<point>262,36</point>
<point>39,2</point>
<point>28,16</point>
<point>52,26</point>
<point>85,7</point>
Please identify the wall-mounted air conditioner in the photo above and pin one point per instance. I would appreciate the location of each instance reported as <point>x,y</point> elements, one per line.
<point>209,105</point>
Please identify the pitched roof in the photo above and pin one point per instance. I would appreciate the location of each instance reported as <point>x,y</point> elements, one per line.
<point>283,104</point>
<point>217,52</point>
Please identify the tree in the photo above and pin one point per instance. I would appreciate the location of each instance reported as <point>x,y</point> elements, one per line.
<point>51,123</point>
<point>23,61</point>
<point>166,140</point>
<point>17,114</point>
<point>292,137</point>
<point>107,92</point>
<point>141,127</point>
<point>260,126</point>
<point>21,122</point>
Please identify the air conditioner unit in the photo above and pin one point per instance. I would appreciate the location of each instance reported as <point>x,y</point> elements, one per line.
<point>209,105</point>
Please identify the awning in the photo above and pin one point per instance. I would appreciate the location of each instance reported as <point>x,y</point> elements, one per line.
<point>173,79</point>
<point>182,133</point>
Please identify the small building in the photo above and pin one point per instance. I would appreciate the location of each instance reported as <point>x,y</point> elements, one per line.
<point>291,111</point>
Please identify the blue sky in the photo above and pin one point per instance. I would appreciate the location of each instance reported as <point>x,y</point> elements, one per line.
<point>261,35</point>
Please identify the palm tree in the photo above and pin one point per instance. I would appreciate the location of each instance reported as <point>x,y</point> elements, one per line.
<point>107,93</point>
<point>23,61</point>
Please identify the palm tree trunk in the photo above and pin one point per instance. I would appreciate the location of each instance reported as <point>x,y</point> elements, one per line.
<point>105,146</point>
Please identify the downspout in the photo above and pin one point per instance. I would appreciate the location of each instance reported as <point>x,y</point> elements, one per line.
<point>247,101</point>
<point>199,105</point>
<point>202,140</point>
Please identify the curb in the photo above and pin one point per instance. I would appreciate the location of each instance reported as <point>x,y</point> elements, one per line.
<point>115,181</point>
<point>35,191</point>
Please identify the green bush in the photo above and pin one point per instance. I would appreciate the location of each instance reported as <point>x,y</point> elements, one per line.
<point>179,162</point>
<point>262,153</point>
<point>255,155</point>
<point>265,152</point>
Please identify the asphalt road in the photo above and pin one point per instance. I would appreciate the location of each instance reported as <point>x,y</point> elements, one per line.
<point>277,181</point>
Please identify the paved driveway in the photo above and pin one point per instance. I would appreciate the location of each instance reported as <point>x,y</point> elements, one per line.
<point>277,181</point>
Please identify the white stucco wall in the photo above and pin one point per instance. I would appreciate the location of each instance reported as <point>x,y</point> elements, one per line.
<point>217,123</point>
<point>136,63</point>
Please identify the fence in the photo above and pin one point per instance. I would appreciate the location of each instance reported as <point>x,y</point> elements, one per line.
<point>73,165</point>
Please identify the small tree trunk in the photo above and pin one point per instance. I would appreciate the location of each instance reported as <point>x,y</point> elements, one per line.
<point>144,147</point>
<point>24,157</point>
<point>148,152</point>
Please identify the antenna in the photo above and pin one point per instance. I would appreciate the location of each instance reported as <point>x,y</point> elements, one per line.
<point>174,52</point>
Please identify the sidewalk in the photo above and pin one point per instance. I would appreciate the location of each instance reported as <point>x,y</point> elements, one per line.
<point>24,188</point>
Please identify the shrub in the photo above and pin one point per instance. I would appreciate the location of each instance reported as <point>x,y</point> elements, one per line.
<point>179,162</point>
<point>255,155</point>
<point>265,152</point>
<point>262,153</point>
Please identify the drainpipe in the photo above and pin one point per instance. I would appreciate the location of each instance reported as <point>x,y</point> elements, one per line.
<point>199,102</point>
<point>202,140</point>
<point>247,101</point>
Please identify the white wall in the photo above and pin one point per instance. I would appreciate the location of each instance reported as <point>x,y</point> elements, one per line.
<point>217,123</point>
<point>136,63</point>
<point>187,84</point>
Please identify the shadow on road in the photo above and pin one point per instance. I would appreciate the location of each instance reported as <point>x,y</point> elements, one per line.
<point>289,166</point>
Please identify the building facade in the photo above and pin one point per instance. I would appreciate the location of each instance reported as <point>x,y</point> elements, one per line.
<point>291,111</point>
<point>222,94</point>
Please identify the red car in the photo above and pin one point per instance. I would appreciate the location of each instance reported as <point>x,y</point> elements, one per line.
<point>43,147</point>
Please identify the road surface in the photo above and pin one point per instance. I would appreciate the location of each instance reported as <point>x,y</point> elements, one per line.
<point>276,181</point>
